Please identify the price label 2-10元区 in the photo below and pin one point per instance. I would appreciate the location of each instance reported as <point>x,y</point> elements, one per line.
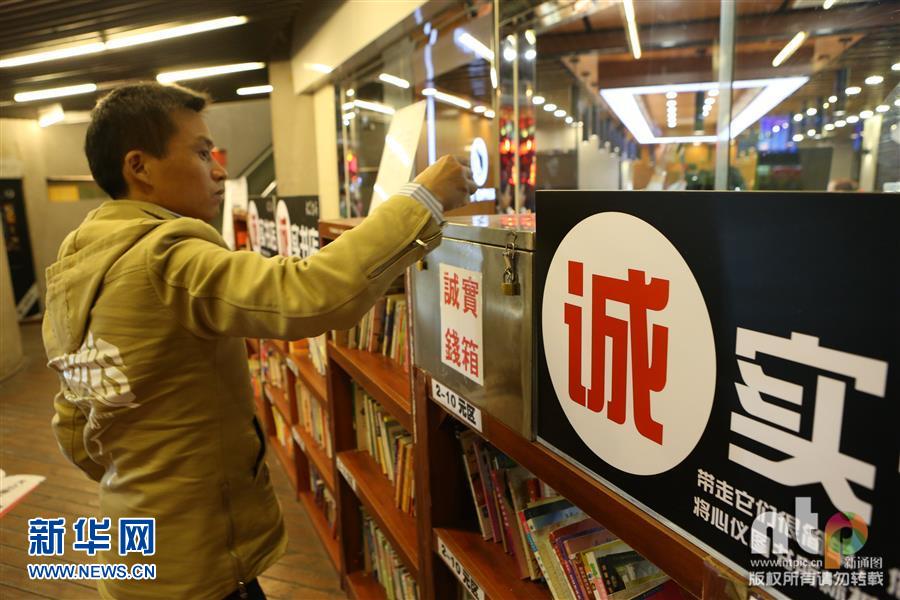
<point>456,404</point>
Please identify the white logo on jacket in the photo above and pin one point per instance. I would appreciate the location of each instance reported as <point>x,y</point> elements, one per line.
<point>93,373</point>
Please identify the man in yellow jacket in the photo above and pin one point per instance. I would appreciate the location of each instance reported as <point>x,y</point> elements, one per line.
<point>146,314</point>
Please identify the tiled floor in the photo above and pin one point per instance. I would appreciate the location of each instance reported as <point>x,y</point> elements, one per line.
<point>27,446</point>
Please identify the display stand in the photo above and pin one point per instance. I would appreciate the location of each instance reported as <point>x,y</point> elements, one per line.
<point>440,546</point>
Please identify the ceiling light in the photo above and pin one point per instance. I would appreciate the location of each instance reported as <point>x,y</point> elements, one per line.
<point>789,48</point>
<point>348,116</point>
<point>853,90</point>
<point>882,108</point>
<point>479,109</point>
<point>852,119</point>
<point>826,104</point>
<point>538,100</point>
<point>530,54</point>
<point>713,92</point>
<point>672,125</point>
<point>467,40</point>
<point>394,80</point>
<point>254,89</point>
<point>318,67</point>
<point>560,113</point>
<point>671,95</point>
<point>509,54</point>
<point>530,37</point>
<point>374,106</point>
<point>840,123</point>
<point>623,102</point>
<point>51,114</point>
<point>569,119</point>
<point>895,66</point>
<point>671,102</point>
<point>173,32</point>
<point>631,23</point>
<point>709,101</point>
<point>550,107</point>
<point>828,4</point>
<point>798,137</point>
<point>447,98</point>
<point>776,129</point>
<point>874,79</point>
<point>798,117</point>
<point>29,59</point>
<point>829,127</point>
<point>347,106</point>
<point>866,114</point>
<point>173,76</point>
<point>489,114</point>
<point>71,90</point>
<point>350,93</point>
<point>897,102</point>
<point>811,132</point>
<point>832,99</point>
<point>811,111</point>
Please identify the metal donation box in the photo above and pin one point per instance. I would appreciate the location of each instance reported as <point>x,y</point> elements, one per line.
<point>472,307</point>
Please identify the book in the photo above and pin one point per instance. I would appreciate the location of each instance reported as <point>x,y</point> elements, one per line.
<point>541,528</point>
<point>481,455</point>
<point>473,474</point>
<point>520,484</point>
<point>625,573</point>
<point>556,540</point>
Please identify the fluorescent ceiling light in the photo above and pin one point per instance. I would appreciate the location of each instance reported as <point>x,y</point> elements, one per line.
<point>530,54</point>
<point>254,89</point>
<point>469,41</point>
<point>530,37</point>
<point>122,41</point>
<point>50,115</point>
<point>538,100</point>
<point>852,119</point>
<point>882,108</point>
<point>811,111</point>
<point>318,67</point>
<point>71,90</point>
<point>874,79</point>
<point>713,93</point>
<point>479,109</point>
<point>489,114</point>
<point>347,106</point>
<point>374,107</point>
<point>828,4</point>
<point>173,76</point>
<point>790,48</point>
<point>631,23</point>
<point>623,102</point>
<point>866,114</point>
<point>671,102</point>
<point>173,32</point>
<point>29,59</point>
<point>394,80</point>
<point>671,95</point>
<point>829,126</point>
<point>447,98</point>
<point>798,137</point>
<point>509,54</point>
<point>569,119</point>
<point>559,113</point>
<point>853,90</point>
<point>840,123</point>
<point>550,107</point>
<point>348,116</point>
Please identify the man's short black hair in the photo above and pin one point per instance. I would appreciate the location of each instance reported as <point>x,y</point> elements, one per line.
<point>133,117</point>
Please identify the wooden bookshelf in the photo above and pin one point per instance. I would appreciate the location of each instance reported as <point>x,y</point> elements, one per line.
<point>282,403</point>
<point>308,376</point>
<point>286,460</point>
<point>316,454</point>
<point>362,586</point>
<point>381,377</point>
<point>323,529</point>
<point>492,569</point>
<point>377,495</point>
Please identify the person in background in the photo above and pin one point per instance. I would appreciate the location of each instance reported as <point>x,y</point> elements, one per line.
<point>146,314</point>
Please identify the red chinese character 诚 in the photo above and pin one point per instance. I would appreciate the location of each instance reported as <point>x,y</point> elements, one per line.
<point>470,356</point>
<point>470,296</point>
<point>451,346</point>
<point>451,289</point>
<point>647,375</point>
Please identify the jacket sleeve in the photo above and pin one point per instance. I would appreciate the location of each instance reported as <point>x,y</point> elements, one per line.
<point>214,291</point>
<point>68,427</point>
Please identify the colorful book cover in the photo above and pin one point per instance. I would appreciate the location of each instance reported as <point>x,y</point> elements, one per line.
<point>518,480</point>
<point>558,538</point>
<point>481,455</point>
<point>553,570</point>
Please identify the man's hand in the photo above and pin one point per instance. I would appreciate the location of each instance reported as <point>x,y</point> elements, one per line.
<point>449,180</point>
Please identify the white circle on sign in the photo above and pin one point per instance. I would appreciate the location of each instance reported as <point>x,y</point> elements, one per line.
<point>478,161</point>
<point>609,245</point>
<point>283,228</point>
<point>253,226</point>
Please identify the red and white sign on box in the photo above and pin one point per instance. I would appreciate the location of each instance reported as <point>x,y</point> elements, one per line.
<point>461,322</point>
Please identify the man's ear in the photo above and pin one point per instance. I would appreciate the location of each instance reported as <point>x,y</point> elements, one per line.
<point>136,169</point>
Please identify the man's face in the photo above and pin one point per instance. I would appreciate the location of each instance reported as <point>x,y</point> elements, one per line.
<point>188,180</point>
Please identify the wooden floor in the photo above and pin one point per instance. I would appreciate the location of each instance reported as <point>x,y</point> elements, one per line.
<point>27,446</point>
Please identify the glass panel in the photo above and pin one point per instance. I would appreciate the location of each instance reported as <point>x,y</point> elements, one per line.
<point>828,114</point>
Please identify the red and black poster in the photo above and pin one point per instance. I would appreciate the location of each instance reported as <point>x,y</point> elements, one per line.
<point>729,362</point>
<point>284,225</point>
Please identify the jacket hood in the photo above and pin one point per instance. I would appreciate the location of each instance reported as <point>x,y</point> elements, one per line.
<point>85,257</point>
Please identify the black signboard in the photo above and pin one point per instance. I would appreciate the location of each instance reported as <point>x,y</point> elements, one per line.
<point>284,225</point>
<point>728,359</point>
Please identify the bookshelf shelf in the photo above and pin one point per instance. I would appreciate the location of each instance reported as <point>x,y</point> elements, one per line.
<point>280,400</point>
<point>308,375</point>
<point>488,565</point>
<point>377,495</point>
<point>253,343</point>
<point>381,377</point>
<point>287,461</point>
<point>323,529</point>
<point>362,586</point>
<point>316,455</point>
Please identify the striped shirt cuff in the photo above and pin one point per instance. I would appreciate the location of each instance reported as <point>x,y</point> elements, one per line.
<point>421,194</point>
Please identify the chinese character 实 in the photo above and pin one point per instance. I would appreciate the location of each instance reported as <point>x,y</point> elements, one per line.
<point>646,375</point>
<point>816,460</point>
<point>451,346</point>
<point>470,356</point>
<point>46,537</point>
<point>451,289</point>
<point>138,536</point>
<point>92,535</point>
<point>470,296</point>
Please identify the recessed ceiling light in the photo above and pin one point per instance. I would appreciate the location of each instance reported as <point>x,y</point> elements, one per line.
<point>489,114</point>
<point>550,107</point>
<point>559,113</point>
<point>874,79</point>
<point>829,126</point>
<point>671,102</point>
<point>798,117</point>
<point>798,137</point>
<point>538,100</point>
<point>882,108</point>
<point>71,90</point>
<point>350,93</point>
<point>853,90</point>
<point>374,106</point>
<point>866,114</point>
<point>811,111</point>
<point>776,129</point>
<point>840,123</point>
<point>530,54</point>
<point>509,54</point>
<point>852,119</point>
<point>832,99</point>
<point>895,66</point>
<point>671,95</point>
<point>479,109</point>
<point>569,119</point>
<point>713,93</point>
